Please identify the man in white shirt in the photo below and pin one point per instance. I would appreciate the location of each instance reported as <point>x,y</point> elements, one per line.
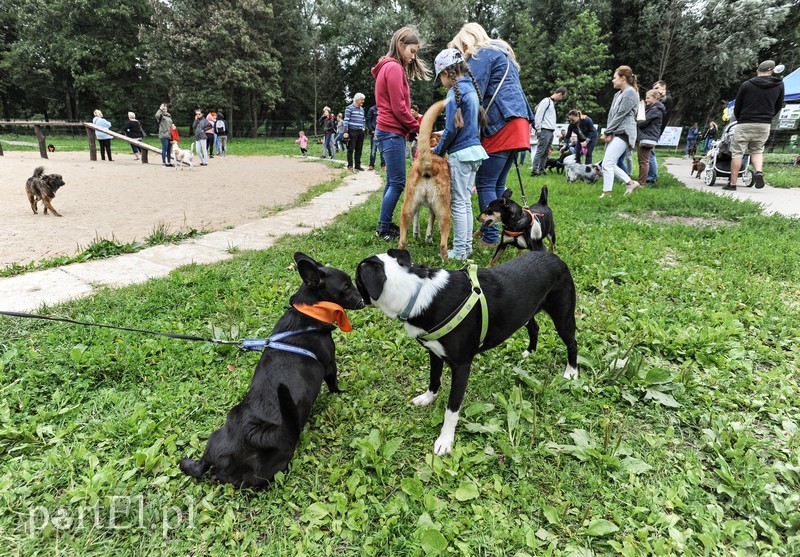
<point>545,124</point>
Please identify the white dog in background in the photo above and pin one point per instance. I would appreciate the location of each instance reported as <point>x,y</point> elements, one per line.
<point>182,156</point>
<point>585,172</point>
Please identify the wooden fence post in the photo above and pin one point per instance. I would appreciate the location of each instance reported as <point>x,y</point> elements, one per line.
<point>40,136</point>
<point>92,144</point>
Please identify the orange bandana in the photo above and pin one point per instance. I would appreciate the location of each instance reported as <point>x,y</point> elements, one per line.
<point>327,312</point>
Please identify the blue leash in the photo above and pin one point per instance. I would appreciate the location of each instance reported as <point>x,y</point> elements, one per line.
<point>254,344</point>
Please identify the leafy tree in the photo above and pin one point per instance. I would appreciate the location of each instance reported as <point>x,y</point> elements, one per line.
<point>226,57</point>
<point>580,55</point>
<point>71,56</point>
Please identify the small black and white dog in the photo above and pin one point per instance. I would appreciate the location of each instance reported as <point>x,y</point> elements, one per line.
<point>426,298</point>
<point>584,172</point>
<point>523,228</point>
<point>262,431</point>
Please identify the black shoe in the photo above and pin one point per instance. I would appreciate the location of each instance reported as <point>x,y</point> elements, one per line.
<point>359,169</point>
<point>758,180</point>
<point>729,187</point>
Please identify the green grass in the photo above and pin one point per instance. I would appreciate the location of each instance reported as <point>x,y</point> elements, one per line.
<point>679,438</point>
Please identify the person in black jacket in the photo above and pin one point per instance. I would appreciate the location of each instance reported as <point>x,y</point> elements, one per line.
<point>666,101</point>
<point>649,131</point>
<point>583,128</point>
<point>759,99</point>
<point>133,129</point>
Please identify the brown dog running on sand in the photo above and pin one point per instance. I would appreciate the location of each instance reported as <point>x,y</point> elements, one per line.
<point>43,186</point>
<point>428,185</point>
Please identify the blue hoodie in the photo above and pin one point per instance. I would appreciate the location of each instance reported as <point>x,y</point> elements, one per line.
<point>488,65</point>
<point>454,139</point>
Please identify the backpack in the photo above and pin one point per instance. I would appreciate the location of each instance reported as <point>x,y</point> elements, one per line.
<point>221,128</point>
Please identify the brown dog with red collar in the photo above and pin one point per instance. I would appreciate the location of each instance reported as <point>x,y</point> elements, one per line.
<point>524,228</point>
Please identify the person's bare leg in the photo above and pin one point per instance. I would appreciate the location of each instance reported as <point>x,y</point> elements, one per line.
<point>736,165</point>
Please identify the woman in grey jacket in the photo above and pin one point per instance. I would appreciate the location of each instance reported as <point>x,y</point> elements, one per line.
<point>649,131</point>
<point>620,129</point>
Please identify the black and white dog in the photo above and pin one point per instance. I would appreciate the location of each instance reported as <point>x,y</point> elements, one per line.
<point>584,172</point>
<point>523,227</point>
<point>262,431</point>
<point>426,298</point>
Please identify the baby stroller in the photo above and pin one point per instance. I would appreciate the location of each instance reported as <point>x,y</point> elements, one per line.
<point>719,163</point>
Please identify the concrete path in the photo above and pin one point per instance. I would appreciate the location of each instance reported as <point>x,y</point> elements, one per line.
<point>773,200</point>
<point>26,293</point>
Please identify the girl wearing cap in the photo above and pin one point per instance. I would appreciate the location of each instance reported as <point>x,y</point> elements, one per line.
<point>509,115</point>
<point>395,122</point>
<point>461,140</point>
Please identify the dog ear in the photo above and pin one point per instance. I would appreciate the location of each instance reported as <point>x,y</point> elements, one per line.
<point>507,194</point>
<point>310,271</point>
<point>370,278</point>
<point>403,256</point>
<point>298,255</point>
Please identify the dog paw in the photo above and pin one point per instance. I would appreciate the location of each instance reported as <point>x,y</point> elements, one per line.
<point>443,445</point>
<point>424,399</point>
<point>571,372</point>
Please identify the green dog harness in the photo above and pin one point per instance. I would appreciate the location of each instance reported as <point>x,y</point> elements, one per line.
<point>476,295</point>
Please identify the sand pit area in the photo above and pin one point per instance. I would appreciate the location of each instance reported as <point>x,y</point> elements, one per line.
<point>127,200</point>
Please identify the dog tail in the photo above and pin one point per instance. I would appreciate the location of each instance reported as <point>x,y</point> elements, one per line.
<point>543,196</point>
<point>424,136</point>
<point>38,172</point>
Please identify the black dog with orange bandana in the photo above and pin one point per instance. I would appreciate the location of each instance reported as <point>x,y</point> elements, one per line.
<point>524,228</point>
<point>263,430</point>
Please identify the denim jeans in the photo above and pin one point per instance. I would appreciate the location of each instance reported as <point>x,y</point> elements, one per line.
<point>327,146</point>
<point>393,147</point>
<point>373,150</point>
<point>462,176</point>
<point>166,155</point>
<point>652,174</point>
<point>202,150</point>
<point>491,183</point>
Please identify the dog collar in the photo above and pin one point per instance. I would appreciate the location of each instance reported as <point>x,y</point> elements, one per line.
<point>515,233</point>
<point>476,295</point>
<point>327,312</point>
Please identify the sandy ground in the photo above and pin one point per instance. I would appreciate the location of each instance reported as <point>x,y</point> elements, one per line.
<point>127,200</point>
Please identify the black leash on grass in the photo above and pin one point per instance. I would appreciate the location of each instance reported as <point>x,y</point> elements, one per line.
<point>519,176</point>
<point>255,344</point>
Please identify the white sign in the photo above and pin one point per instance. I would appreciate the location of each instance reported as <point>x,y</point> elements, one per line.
<point>790,112</point>
<point>671,136</point>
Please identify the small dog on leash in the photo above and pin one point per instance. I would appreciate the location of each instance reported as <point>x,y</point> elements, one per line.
<point>43,186</point>
<point>698,167</point>
<point>182,156</point>
<point>428,185</point>
<point>524,228</point>
<point>584,172</point>
<point>263,430</point>
<point>426,299</point>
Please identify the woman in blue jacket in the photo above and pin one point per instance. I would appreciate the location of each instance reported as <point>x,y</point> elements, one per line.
<point>103,138</point>
<point>509,115</point>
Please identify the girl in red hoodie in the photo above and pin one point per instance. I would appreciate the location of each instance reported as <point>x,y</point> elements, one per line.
<point>395,122</point>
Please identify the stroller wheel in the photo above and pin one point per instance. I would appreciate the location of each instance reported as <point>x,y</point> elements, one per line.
<point>710,176</point>
<point>748,178</point>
